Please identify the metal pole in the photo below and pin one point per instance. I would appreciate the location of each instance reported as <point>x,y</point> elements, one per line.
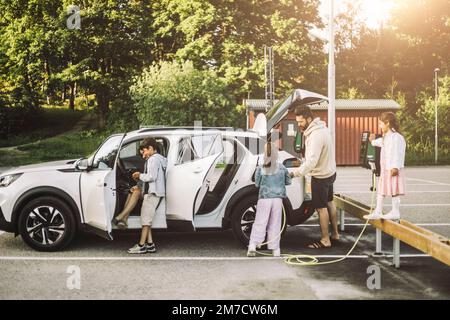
<point>272,76</point>
<point>269,75</point>
<point>436,97</point>
<point>342,220</point>
<point>378,239</point>
<point>396,249</point>
<point>331,77</point>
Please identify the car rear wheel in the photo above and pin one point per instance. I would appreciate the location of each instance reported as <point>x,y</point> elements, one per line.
<point>47,224</point>
<point>243,218</point>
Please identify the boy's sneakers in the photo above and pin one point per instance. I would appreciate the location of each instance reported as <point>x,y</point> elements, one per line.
<point>146,248</point>
<point>138,249</point>
<point>276,252</point>
<point>150,247</point>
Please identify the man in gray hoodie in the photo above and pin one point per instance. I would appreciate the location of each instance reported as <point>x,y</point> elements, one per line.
<point>320,163</point>
<point>154,189</point>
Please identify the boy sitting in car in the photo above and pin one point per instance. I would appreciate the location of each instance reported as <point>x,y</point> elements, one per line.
<point>154,190</point>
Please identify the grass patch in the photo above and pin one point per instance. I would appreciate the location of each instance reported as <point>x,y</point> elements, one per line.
<point>48,122</point>
<point>426,159</point>
<point>69,146</point>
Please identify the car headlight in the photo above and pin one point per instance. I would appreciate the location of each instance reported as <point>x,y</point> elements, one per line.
<point>8,179</point>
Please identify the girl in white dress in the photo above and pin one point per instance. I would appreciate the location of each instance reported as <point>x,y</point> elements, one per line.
<point>392,162</point>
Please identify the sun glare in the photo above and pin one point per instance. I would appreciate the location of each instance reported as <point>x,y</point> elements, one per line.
<point>376,12</point>
<point>372,12</point>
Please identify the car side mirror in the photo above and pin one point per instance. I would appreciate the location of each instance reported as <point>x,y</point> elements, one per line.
<point>83,165</point>
<point>292,163</point>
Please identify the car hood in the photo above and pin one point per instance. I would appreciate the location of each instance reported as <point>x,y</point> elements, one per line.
<point>44,166</point>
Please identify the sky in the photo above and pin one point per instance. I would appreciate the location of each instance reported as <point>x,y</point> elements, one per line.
<point>373,12</point>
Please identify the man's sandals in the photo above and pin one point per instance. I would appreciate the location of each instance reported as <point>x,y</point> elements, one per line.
<point>318,245</point>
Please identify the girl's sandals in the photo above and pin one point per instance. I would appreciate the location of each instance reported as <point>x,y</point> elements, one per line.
<point>318,245</point>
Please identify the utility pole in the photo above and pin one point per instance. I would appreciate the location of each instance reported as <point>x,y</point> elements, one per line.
<point>269,77</point>
<point>436,101</point>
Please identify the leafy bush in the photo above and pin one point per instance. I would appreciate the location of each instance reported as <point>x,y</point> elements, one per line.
<point>176,94</point>
<point>419,129</point>
<point>122,117</point>
<point>14,119</point>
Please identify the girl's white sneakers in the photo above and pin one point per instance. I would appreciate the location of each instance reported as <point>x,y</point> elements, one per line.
<point>251,252</point>
<point>374,215</point>
<point>276,252</point>
<point>392,215</point>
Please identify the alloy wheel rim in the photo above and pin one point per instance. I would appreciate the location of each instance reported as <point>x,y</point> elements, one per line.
<point>45,225</point>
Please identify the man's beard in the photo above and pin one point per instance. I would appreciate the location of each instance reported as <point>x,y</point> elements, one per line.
<point>303,128</point>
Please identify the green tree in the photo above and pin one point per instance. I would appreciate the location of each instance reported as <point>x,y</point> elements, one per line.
<point>420,132</point>
<point>229,35</point>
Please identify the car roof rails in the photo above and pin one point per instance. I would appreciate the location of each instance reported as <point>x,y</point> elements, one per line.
<point>156,127</point>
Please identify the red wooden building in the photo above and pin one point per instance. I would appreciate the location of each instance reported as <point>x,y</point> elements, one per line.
<point>352,118</point>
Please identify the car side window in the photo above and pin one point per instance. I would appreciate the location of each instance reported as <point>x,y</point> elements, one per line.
<point>186,151</point>
<point>207,145</point>
<point>130,150</point>
<point>197,147</point>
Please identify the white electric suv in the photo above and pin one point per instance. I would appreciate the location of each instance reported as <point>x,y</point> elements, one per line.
<point>209,185</point>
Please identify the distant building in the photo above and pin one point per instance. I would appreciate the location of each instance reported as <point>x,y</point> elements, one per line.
<point>352,118</point>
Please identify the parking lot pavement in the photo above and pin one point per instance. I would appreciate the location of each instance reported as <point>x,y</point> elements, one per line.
<point>427,199</point>
<point>212,265</point>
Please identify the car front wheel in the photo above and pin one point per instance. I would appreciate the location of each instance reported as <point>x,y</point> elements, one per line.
<point>47,224</point>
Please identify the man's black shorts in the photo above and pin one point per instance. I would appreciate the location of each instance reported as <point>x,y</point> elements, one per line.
<point>322,191</point>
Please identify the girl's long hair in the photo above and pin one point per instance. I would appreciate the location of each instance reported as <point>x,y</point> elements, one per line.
<point>391,118</point>
<point>270,165</point>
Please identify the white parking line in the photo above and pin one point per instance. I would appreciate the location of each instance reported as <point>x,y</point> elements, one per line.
<point>363,224</point>
<point>429,181</point>
<point>367,184</point>
<point>411,256</point>
<point>5,258</point>
<point>407,192</point>
<point>422,205</point>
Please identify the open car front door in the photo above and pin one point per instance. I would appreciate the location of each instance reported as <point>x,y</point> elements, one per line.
<point>98,187</point>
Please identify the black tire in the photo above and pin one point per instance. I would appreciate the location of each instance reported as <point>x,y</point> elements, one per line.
<point>47,224</point>
<point>302,214</point>
<point>243,217</point>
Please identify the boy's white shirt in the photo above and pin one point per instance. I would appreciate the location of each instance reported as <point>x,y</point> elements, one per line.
<point>151,176</point>
<point>393,147</point>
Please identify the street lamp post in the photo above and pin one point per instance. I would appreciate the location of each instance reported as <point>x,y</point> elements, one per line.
<point>331,77</point>
<point>436,97</point>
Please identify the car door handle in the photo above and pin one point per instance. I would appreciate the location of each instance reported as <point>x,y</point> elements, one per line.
<point>198,170</point>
